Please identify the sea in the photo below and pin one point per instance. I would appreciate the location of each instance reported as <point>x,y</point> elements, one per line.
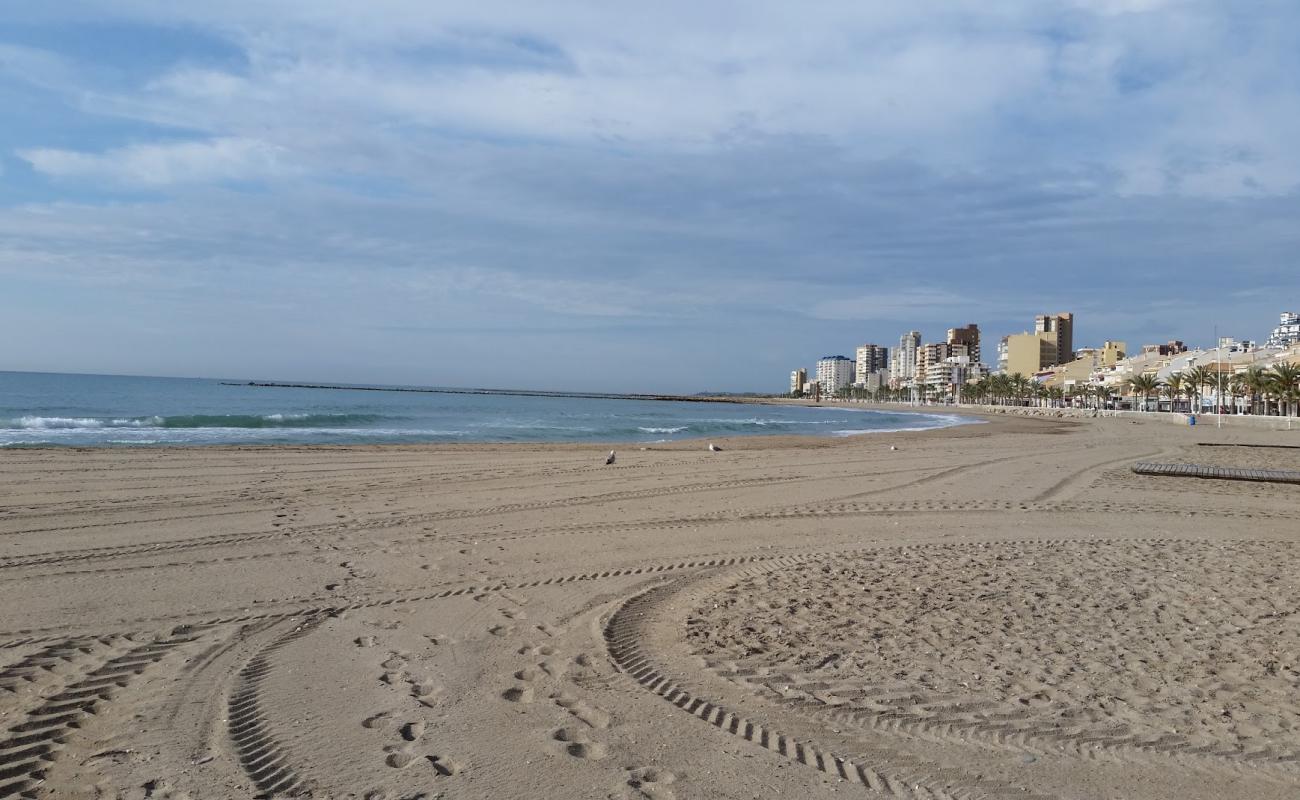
<point>52,409</point>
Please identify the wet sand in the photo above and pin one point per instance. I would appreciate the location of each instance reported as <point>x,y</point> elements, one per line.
<point>995,610</point>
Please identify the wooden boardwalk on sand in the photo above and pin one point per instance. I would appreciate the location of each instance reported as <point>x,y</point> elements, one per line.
<point>1221,473</point>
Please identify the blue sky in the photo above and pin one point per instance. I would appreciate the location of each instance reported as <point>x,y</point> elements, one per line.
<point>658,197</point>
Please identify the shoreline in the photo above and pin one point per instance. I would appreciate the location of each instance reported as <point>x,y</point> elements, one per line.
<point>936,421</point>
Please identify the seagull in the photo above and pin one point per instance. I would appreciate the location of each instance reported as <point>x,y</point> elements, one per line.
<point>610,458</point>
<point>713,448</point>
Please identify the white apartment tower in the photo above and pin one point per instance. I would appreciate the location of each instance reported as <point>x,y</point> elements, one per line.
<point>872,360</point>
<point>834,373</point>
<point>902,367</point>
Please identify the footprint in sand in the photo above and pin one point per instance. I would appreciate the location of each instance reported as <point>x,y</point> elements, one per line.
<point>413,731</point>
<point>446,766</point>
<point>501,630</point>
<point>400,758</point>
<point>378,721</point>
<point>518,694</point>
<point>594,716</point>
<point>514,598</point>
<point>582,668</point>
<point>555,669</point>
<point>425,691</point>
<point>578,744</point>
<point>534,650</point>
<point>366,641</point>
<point>651,782</point>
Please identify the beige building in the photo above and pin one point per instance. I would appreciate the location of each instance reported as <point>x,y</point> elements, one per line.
<point>1059,328</point>
<point>1028,353</point>
<point>1112,353</point>
<point>798,378</point>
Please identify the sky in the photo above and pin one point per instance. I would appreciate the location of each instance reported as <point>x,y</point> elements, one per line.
<point>671,196</point>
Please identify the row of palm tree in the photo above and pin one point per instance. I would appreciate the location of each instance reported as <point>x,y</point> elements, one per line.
<point>1274,391</point>
<point>1267,390</point>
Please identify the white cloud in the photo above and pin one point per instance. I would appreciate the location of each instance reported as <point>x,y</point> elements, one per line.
<point>223,159</point>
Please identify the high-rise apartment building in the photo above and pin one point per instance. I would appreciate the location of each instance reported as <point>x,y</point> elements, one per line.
<point>834,373</point>
<point>1287,332</point>
<point>1028,353</point>
<point>797,380</point>
<point>969,337</point>
<point>872,359</point>
<point>930,363</point>
<point>902,367</point>
<point>1060,327</point>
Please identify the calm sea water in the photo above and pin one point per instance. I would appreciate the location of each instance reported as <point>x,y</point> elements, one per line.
<point>57,409</point>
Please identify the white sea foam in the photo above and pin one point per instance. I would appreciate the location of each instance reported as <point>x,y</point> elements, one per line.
<point>52,423</point>
<point>663,430</point>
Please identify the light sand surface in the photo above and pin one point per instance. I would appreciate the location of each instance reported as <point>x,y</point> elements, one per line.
<point>996,610</point>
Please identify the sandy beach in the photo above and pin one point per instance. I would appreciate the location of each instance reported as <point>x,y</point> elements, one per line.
<point>992,610</point>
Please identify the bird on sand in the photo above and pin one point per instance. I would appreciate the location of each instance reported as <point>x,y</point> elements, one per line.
<point>610,458</point>
<point>713,448</point>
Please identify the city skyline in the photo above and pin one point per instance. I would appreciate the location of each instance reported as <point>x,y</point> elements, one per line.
<point>1050,350</point>
<point>408,193</point>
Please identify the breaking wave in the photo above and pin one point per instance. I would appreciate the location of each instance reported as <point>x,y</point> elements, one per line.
<point>243,421</point>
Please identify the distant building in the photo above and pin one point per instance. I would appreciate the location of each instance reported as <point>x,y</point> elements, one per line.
<point>797,380</point>
<point>1170,348</point>
<point>1112,353</point>
<point>902,367</point>
<point>1060,329</point>
<point>935,366</point>
<point>1287,332</point>
<point>1028,353</point>
<point>1229,344</point>
<point>968,336</point>
<point>872,360</point>
<point>834,373</point>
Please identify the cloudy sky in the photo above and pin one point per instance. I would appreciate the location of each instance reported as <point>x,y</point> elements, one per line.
<point>652,196</point>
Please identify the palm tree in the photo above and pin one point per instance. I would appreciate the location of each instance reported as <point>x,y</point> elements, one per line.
<point>1020,386</point>
<point>1144,386</point>
<point>1176,386</point>
<point>1286,380</point>
<point>999,388</point>
<point>1193,380</point>
<point>1255,382</point>
<point>1236,388</point>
